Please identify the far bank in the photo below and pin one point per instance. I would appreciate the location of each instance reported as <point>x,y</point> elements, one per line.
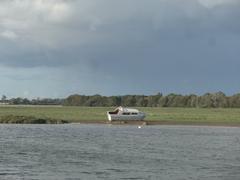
<point>154,116</point>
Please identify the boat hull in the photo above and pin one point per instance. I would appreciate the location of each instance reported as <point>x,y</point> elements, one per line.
<point>117,117</point>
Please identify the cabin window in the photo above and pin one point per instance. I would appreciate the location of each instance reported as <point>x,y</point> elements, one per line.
<point>127,113</point>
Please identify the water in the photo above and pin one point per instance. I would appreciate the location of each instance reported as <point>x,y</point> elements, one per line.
<point>118,152</point>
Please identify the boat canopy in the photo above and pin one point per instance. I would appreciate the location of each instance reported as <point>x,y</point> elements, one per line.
<point>127,110</point>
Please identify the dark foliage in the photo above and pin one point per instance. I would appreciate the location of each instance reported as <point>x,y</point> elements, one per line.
<point>25,101</point>
<point>208,100</point>
<point>11,119</point>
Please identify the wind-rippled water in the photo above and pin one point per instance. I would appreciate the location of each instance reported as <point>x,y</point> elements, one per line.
<point>118,152</point>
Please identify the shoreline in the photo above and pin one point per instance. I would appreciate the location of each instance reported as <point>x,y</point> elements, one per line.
<point>12,119</point>
<point>153,123</point>
<point>138,123</point>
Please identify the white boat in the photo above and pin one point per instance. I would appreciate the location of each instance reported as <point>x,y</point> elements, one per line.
<point>125,114</point>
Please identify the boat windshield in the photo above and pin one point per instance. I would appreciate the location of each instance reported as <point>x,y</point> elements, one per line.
<point>114,112</point>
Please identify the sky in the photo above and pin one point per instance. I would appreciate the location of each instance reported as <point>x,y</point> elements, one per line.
<point>54,48</point>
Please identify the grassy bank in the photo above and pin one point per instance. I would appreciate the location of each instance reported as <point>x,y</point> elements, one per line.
<point>16,119</point>
<point>98,114</point>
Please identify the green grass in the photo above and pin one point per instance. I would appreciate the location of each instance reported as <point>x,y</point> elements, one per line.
<point>200,115</point>
<point>72,114</point>
<point>77,114</point>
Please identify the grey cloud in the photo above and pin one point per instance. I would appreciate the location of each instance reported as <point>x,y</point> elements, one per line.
<point>157,43</point>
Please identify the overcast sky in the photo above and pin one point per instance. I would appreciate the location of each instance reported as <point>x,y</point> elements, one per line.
<point>53,48</point>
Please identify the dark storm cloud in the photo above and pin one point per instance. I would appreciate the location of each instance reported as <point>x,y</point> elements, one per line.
<point>176,45</point>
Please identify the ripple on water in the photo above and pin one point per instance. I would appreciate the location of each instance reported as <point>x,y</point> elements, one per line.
<point>118,152</point>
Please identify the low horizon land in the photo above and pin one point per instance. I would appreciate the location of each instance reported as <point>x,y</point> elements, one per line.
<point>154,115</point>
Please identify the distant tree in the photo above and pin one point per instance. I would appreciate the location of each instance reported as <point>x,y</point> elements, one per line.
<point>96,100</point>
<point>25,101</point>
<point>206,101</point>
<point>219,99</point>
<point>4,98</point>
<point>163,101</point>
<point>129,100</point>
<point>234,101</point>
<point>153,101</point>
<point>192,100</point>
<point>171,100</point>
<point>180,101</point>
<point>16,101</point>
<point>75,100</point>
<point>141,101</point>
<point>114,101</point>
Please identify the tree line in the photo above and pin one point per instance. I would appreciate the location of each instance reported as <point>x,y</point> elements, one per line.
<point>208,100</point>
<point>26,101</point>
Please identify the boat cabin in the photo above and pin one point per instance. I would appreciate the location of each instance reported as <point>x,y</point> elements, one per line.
<point>121,113</point>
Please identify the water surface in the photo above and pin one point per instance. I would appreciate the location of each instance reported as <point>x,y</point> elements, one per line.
<point>118,152</point>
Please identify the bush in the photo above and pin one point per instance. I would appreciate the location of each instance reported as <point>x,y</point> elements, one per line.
<point>11,119</point>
